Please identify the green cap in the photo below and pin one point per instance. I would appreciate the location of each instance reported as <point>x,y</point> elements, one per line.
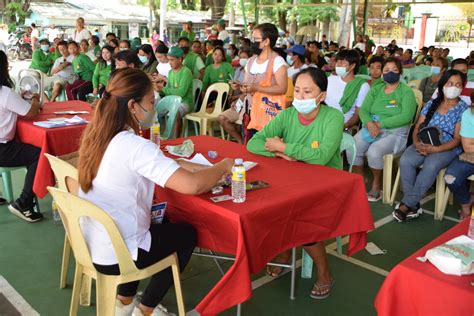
<point>176,51</point>
<point>190,23</point>
<point>221,22</point>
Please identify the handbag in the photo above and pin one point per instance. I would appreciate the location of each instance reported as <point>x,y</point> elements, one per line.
<point>430,135</point>
<point>467,157</point>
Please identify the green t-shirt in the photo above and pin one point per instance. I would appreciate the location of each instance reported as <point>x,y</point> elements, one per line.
<point>194,63</point>
<point>317,143</point>
<point>396,109</point>
<point>180,83</point>
<point>101,75</point>
<point>224,73</point>
<point>83,66</point>
<point>41,61</point>
<point>191,35</point>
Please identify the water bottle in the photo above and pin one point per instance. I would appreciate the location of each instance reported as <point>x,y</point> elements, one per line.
<point>155,132</point>
<point>470,232</point>
<point>238,181</point>
<point>54,208</point>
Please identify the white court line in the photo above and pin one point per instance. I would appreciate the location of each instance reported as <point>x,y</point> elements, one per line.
<point>359,263</point>
<point>449,218</point>
<point>16,299</point>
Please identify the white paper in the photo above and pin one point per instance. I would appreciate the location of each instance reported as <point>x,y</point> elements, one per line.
<point>202,160</point>
<point>76,120</point>
<point>71,112</point>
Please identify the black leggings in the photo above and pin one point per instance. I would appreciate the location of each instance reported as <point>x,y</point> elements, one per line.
<point>15,154</point>
<point>165,239</point>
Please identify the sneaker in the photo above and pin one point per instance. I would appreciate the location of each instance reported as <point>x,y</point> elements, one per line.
<point>374,196</point>
<point>122,309</point>
<point>25,213</point>
<point>414,212</point>
<point>399,216</point>
<point>160,310</point>
<point>2,201</point>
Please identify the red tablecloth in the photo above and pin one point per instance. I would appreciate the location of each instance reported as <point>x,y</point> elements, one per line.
<point>304,203</point>
<point>55,141</point>
<point>419,288</point>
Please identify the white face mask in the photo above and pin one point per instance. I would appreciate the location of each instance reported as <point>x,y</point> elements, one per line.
<point>150,117</point>
<point>452,92</point>
<point>341,71</point>
<point>305,106</point>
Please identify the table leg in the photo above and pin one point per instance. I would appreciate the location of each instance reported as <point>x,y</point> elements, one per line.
<point>239,309</point>
<point>293,273</point>
<point>85,297</point>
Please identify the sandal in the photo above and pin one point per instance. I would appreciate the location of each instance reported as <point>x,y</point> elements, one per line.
<point>324,290</point>
<point>274,271</point>
<point>374,196</point>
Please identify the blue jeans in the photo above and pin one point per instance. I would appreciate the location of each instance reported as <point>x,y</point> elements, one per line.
<point>456,179</point>
<point>416,185</point>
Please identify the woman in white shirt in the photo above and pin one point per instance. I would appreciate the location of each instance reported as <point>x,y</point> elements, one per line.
<point>12,152</point>
<point>80,33</point>
<point>118,171</point>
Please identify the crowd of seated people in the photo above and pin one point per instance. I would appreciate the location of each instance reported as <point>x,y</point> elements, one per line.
<point>284,95</point>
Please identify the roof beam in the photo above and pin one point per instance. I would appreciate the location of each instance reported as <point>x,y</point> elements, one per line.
<point>378,3</point>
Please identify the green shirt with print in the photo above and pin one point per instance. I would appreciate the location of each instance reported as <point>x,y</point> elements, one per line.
<point>396,109</point>
<point>180,83</point>
<point>223,73</point>
<point>317,143</point>
<point>42,61</point>
<point>83,66</point>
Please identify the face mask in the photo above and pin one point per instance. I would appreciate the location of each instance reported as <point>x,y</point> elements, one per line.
<point>45,48</point>
<point>143,59</point>
<point>150,117</point>
<point>305,106</point>
<point>185,50</point>
<point>289,60</point>
<point>341,71</point>
<point>435,70</point>
<point>255,47</point>
<point>243,62</point>
<point>451,92</point>
<point>391,77</point>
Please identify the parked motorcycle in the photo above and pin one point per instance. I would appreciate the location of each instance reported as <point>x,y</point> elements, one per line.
<point>18,48</point>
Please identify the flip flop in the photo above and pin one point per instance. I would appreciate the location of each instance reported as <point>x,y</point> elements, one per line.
<point>325,288</point>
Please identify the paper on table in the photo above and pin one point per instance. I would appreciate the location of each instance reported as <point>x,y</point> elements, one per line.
<point>200,159</point>
<point>71,112</point>
<point>76,120</point>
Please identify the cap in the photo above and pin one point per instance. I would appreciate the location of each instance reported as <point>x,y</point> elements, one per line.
<point>296,49</point>
<point>221,22</point>
<point>162,49</point>
<point>190,23</point>
<point>176,51</point>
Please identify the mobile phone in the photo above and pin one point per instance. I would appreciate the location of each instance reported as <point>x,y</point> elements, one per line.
<point>255,185</point>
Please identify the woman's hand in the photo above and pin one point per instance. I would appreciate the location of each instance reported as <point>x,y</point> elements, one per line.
<point>286,157</point>
<point>428,149</point>
<point>159,86</point>
<point>374,129</point>
<point>275,144</point>
<point>95,92</point>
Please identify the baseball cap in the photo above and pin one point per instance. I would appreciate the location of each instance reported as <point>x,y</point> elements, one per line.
<point>296,49</point>
<point>176,51</point>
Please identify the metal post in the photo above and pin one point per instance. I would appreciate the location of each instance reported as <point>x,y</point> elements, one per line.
<point>293,273</point>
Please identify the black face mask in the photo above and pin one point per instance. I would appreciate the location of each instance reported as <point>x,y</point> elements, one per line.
<point>254,47</point>
<point>185,49</point>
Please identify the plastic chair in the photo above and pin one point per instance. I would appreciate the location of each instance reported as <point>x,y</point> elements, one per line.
<point>71,209</point>
<point>414,84</point>
<point>168,106</point>
<point>442,197</point>
<point>388,160</point>
<point>206,119</point>
<point>63,171</point>
<point>470,75</point>
<point>5,172</point>
<point>349,146</point>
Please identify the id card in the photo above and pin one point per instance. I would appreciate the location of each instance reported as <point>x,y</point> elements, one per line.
<point>221,198</point>
<point>158,212</point>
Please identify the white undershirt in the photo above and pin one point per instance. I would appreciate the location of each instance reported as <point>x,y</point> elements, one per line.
<point>335,91</point>
<point>257,68</point>
<point>124,188</point>
<point>163,69</point>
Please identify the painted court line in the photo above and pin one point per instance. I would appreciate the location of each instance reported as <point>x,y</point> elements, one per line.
<point>16,299</point>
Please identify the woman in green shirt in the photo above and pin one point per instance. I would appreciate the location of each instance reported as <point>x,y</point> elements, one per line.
<point>102,70</point>
<point>310,132</point>
<point>386,114</point>
<point>83,67</point>
<point>219,71</point>
<point>147,58</point>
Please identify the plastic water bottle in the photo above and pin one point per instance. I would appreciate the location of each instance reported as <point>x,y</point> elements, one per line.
<point>54,208</point>
<point>155,132</point>
<point>238,181</point>
<point>470,232</point>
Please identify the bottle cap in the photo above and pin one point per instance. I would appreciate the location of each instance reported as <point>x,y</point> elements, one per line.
<point>239,161</point>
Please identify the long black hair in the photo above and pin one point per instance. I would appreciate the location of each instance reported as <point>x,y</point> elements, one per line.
<point>437,102</point>
<point>148,49</point>
<point>102,62</point>
<point>5,79</point>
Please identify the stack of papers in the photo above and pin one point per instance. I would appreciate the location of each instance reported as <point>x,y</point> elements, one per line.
<point>76,120</point>
<point>71,112</point>
<point>200,159</point>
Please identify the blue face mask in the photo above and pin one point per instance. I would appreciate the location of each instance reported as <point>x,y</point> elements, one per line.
<point>391,77</point>
<point>305,106</point>
<point>435,70</point>
<point>341,71</point>
<point>45,48</point>
<point>289,60</point>
<point>143,59</point>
